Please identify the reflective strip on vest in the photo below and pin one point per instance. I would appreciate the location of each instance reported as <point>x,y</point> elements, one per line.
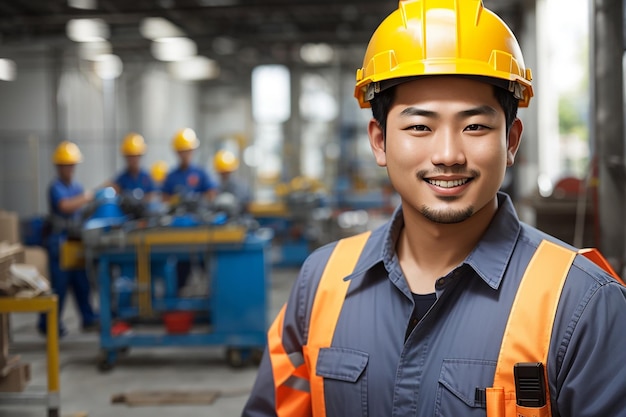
<point>531,319</point>
<point>299,392</point>
<point>529,328</point>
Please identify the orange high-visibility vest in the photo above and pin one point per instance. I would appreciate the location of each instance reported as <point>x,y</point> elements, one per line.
<point>300,392</point>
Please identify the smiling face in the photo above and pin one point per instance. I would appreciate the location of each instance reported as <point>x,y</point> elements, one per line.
<point>446,147</point>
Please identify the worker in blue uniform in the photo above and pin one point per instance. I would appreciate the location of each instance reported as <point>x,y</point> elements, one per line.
<point>67,199</point>
<point>187,180</point>
<point>419,328</point>
<point>187,183</point>
<point>134,179</point>
<point>226,165</point>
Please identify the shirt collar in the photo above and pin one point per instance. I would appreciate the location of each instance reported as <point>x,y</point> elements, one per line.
<point>488,259</point>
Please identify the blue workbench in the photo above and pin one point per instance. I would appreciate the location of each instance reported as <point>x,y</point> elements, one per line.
<point>233,313</point>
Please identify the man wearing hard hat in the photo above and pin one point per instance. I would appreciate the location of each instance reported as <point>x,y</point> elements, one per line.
<point>67,199</point>
<point>453,307</point>
<point>226,165</point>
<point>134,180</point>
<point>187,180</point>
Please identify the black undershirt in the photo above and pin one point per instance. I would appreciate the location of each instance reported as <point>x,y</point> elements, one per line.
<point>423,303</point>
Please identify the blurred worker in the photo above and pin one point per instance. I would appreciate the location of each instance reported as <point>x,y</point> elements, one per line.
<point>187,180</point>
<point>67,199</point>
<point>134,180</point>
<point>187,183</point>
<point>158,173</point>
<point>226,164</point>
<point>412,318</point>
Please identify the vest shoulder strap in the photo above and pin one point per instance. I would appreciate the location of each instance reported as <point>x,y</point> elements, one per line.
<point>529,328</point>
<point>327,305</point>
<point>527,334</point>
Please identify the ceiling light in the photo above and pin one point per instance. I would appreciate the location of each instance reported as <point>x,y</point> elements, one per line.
<point>82,4</point>
<point>87,30</point>
<point>316,53</point>
<point>108,66</point>
<point>194,69</point>
<point>157,27</point>
<point>8,70</point>
<point>173,49</point>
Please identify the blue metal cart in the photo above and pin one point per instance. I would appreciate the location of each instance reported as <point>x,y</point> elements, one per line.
<point>137,284</point>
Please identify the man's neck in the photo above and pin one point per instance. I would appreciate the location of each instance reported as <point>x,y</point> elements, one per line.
<point>428,250</point>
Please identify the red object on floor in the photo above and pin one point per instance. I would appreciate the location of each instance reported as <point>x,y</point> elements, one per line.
<point>178,321</point>
<point>120,328</point>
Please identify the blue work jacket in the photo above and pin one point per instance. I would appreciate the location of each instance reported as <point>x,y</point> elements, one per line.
<point>58,191</point>
<point>128,182</point>
<point>185,182</point>
<point>371,370</point>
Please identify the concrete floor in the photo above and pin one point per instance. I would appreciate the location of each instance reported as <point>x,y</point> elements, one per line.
<point>85,389</point>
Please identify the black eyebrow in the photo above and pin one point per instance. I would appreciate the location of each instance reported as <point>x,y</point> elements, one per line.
<point>414,111</point>
<point>487,110</point>
<point>476,111</point>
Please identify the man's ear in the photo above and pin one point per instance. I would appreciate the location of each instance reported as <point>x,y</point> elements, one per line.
<point>514,140</point>
<point>377,142</point>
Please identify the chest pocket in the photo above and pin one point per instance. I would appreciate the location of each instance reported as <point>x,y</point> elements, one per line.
<point>345,381</point>
<point>458,383</point>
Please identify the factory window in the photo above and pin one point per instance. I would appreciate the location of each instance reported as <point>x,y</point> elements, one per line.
<point>564,123</point>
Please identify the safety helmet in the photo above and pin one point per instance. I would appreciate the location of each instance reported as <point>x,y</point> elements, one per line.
<point>442,37</point>
<point>133,145</point>
<point>158,171</point>
<point>185,140</point>
<point>67,153</point>
<point>225,161</point>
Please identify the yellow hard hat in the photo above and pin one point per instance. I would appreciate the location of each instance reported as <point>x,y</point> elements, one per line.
<point>67,153</point>
<point>225,161</point>
<point>158,171</point>
<point>133,144</point>
<point>185,140</point>
<point>442,37</point>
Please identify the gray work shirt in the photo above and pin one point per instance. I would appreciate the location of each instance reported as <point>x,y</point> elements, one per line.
<point>372,370</point>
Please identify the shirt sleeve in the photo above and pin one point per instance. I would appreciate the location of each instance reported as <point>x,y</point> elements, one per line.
<point>148,183</point>
<point>207,183</point>
<point>54,197</point>
<point>168,185</point>
<point>591,380</point>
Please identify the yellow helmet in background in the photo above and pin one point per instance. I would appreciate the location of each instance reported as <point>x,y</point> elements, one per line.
<point>225,161</point>
<point>67,153</point>
<point>442,37</point>
<point>158,171</point>
<point>133,145</point>
<point>185,140</point>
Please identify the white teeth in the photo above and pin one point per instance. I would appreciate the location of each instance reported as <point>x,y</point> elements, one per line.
<point>448,184</point>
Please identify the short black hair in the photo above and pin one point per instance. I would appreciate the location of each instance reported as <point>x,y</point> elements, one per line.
<point>381,103</point>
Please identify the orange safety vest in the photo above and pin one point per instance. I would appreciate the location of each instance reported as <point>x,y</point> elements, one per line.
<point>300,392</point>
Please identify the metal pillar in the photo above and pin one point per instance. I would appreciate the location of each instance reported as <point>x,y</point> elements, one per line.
<point>608,126</point>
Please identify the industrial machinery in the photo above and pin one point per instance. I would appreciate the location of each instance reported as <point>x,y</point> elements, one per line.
<point>298,220</point>
<point>145,301</point>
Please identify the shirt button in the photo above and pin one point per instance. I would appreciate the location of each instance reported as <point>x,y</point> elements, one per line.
<point>441,282</point>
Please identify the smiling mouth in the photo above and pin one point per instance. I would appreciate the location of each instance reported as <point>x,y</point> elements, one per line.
<point>448,184</point>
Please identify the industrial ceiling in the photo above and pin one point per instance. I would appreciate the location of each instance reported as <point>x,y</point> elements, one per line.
<point>233,32</point>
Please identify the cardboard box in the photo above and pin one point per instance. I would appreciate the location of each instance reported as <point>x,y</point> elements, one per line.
<point>9,254</point>
<point>9,227</point>
<point>37,256</point>
<point>16,379</point>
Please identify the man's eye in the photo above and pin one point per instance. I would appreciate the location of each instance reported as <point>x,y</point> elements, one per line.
<point>476,126</point>
<point>419,128</point>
